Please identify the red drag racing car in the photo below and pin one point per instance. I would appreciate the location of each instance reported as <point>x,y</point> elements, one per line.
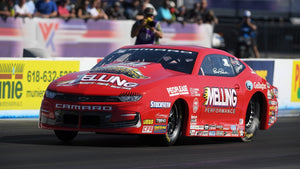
<point>162,92</point>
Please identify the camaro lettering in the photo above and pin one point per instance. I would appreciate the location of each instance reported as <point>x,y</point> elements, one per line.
<point>223,97</point>
<point>83,107</point>
<point>115,80</point>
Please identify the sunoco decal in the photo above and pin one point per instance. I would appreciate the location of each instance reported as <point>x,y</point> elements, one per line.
<point>222,97</point>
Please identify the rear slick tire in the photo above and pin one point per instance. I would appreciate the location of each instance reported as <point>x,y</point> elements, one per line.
<point>252,120</point>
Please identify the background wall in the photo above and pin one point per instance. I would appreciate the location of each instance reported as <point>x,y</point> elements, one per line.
<point>80,38</point>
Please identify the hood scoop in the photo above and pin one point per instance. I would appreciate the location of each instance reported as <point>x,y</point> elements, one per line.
<point>130,69</point>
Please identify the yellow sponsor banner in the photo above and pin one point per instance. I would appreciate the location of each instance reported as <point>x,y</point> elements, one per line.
<point>23,83</point>
<point>295,94</point>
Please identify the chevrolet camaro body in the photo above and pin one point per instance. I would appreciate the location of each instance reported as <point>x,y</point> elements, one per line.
<point>164,91</point>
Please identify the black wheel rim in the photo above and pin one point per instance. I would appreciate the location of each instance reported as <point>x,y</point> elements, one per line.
<point>250,115</point>
<point>173,121</point>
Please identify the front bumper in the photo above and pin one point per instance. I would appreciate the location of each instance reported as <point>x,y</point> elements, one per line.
<point>96,117</point>
<point>87,120</point>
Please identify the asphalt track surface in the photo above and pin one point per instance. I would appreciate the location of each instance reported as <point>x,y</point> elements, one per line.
<point>23,145</point>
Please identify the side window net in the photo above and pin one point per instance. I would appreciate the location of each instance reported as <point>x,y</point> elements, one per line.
<point>217,65</point>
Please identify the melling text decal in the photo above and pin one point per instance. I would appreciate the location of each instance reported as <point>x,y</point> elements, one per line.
<point>108,80</point>
<point>220,97</point>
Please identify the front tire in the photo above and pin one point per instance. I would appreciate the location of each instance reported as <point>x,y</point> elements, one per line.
<point>173,129</point>
<point>65,136</point>
<point>174,126</point>
<point>252,120</point>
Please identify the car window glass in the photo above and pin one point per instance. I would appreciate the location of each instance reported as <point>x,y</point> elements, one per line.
<point>176,60</point>
<point>237,65</point>
<point>216,65</point>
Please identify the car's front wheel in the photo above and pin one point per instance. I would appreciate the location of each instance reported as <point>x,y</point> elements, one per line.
<point>65,136</point>
<point>252,120</point>
<point>174,125</point>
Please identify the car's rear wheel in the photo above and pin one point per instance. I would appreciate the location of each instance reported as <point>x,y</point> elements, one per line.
<point>65,136</point>
<point>174,125</point>
<point>252,120</point>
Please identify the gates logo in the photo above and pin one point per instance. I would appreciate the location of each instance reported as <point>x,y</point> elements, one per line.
<point>295,94</point>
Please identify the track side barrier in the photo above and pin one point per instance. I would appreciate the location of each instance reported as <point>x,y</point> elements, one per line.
<point>24,81</point>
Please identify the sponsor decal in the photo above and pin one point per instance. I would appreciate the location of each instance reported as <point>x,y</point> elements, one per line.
<point>233,127</point>
<point>205,133</point>
<point>235,133</point>
<point>195,92</point>
<point>195,105</point>
<point>194,127</point>
<point>249,85</point>
<point>108,80</point>
<point>160,129</point>
<point>178,90</point>
<point>147,129</point>
<point>220,133</point>
<point>272,103</point>
<point>194,119</point>
<point>242,133</point>
<point>201,127</point>
<point>212,133</point>
<point>261,86</point>
<point>83,107</point>
<point>212,127</point>
<point>165,116</point>
<point>160,121</point>
<point>154,104</point>
<point>192,132</point>
<point>220,110</point>
<point>199,133</point>
<point>223,97</point>
<point>227,134</point>
<point>241,121</point>
<point>148,121</point>
<point>271,94</point>
<point>220,127</point>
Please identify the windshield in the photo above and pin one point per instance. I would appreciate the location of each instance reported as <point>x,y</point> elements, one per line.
<point>177,60</point>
